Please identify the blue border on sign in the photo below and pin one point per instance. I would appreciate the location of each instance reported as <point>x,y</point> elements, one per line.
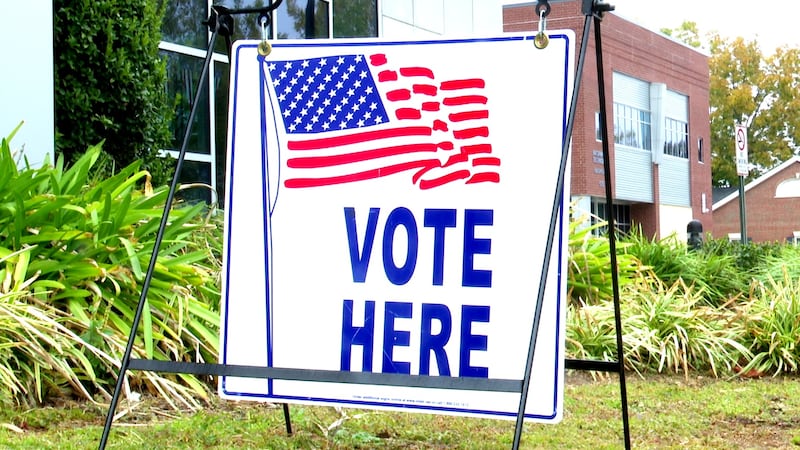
<point>268,208</point>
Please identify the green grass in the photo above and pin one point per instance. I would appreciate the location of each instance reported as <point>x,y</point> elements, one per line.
<point>665,412</point>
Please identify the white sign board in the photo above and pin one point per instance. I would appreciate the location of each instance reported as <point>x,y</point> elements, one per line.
<point>387,213</point>
<point>742,163</point>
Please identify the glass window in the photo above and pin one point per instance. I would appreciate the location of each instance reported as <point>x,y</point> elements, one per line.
<point>788,188</point>
<point>303,19</point>
<point>622,217</point>
<point>183,72</point>
<point>355,18</point>
<point>631,126</point>
<point>598,133</point>
<point>183,23</point>
<point>194,180</point>
<point>245,26</point>
<point>221,74</point>
<point>677,138</point>
<point>700,156</point>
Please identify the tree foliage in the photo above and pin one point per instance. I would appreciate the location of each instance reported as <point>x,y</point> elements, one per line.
<point>762,91</point>
<point>750,87</point>
<point>109,80</point>
<point>687,33</point>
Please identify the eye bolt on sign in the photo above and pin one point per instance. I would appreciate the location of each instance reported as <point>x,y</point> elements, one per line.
<point>387,214</point>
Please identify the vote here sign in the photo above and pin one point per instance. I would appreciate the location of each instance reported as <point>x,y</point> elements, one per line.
<point>386,213</point>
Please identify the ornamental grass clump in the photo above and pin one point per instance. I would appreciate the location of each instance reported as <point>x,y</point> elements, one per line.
<point>668,328</point>
<point>710,270</point>
<point>771,320</point>
<point>73,252</point>
<point>589,269</point>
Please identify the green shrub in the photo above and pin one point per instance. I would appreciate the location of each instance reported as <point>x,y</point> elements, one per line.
<point>781,261</point>
<point>669,328</point>
<point>665,329</point>
<point>589,274</point>
<point>772,325</point>
<point>77,251</point>
<point>110,81</point>
<point>711,270</point>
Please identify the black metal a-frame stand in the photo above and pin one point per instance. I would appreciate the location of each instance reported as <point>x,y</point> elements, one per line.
<point>221,23</point>
<point>593,11</point>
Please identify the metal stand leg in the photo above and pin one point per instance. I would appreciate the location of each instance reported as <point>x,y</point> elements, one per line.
<point>221,23</point>
<point>591,9</point>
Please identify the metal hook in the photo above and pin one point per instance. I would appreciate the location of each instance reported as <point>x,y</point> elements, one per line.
<point>543,5</point>
<point>541,40</point>
<point>264,47</point>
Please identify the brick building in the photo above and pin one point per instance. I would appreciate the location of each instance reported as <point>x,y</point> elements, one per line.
<point>658,107</point>
<point>772,204</point>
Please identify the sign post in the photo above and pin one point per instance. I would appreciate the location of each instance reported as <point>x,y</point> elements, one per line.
<point>384,223</point>
<point>742,169</point>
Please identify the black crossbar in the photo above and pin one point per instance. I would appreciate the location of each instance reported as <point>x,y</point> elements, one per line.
<point>329,376</point>
<point>588,364</point>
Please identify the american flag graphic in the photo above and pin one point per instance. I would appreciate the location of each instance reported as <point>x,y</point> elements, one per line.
<point>351,118</point>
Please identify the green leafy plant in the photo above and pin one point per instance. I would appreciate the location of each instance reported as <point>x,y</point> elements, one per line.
<point>748,258</point>
<point>712,270</point>
<point>772,325</point>
<point>589,271</point>
<point>81,248</point>
<point>109,82</point>
<point>591,332</point>
<point>668,328</point>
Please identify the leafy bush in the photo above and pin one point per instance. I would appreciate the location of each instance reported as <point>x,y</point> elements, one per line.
<point>110,81</point>
<point>589,274</point>
<point>711,270</point>
<point>748,258</point>
<point>772,325</point>
<point>665,329</point>
<point>781,261</point>
<point>75,252</point>
<point>669,328</point>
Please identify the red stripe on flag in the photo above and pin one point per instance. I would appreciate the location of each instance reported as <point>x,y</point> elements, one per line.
<point>430,106</point>
<point>477,148</point>
<point>359,176</point>
<point>354,138</point>
<point>425,89</point>
<point>436,182</point>
<point>455,159</point>
<point>439,125</point>
<point>408,114</point>
<point>315,162</point>
<point>416,72</point>
<point>452,85</point>
<point>464,100</point>
<point>485,177</point>
<point>387,75</point>
<point>486,161</point>
<point>398,95</point>
<point>470,133</point>
<point>377,59</point>
<point>469,115</point>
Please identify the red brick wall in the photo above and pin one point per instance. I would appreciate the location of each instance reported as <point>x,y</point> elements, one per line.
<point>643,54</point>
<point>768,218</point>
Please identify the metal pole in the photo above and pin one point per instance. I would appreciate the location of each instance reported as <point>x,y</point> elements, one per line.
<point>742,211</point>
<point>154,256</point>
<point>557,204</point>
<point>612,234</point>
